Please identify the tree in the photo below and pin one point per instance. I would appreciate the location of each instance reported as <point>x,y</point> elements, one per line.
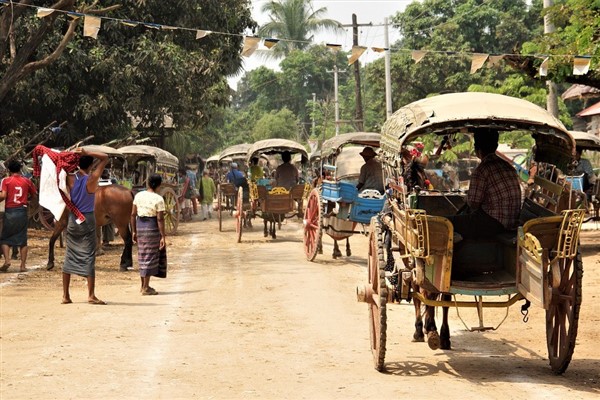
<point>294,22</point>
<point>98,85</point>
<point>281,124</point>
<point>577,32</point>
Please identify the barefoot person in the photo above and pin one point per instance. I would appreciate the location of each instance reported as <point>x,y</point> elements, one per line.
<point>148,228</point>
<point>16,190</point>
<point>80,257</point>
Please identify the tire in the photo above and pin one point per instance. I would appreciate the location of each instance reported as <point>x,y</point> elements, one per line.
<point>377,307</point>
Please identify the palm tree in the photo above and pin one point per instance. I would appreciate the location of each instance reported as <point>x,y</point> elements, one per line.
<point>294,22</point>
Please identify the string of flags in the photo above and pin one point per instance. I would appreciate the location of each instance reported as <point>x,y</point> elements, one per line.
<point>92,25</point>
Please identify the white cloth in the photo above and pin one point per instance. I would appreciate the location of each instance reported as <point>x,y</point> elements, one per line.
<point>50,197</point>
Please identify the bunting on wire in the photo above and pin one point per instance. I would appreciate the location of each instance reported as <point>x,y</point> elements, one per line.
<point>250,45</point>
<point>417,55</point>
<point>544,67</point>
<point>477,61</point>
<point>357,51</point>
<point>202,34</point>
<point>44,12</point>
<point>334,47</point>
<point>581,65</point>
<point>270,42</point>
<point>91,26</point>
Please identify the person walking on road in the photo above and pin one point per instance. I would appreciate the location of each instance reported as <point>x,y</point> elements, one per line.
<point>208,192</point>
<point>148,226</point>
<point>15,190</point>
<point>80,257</point>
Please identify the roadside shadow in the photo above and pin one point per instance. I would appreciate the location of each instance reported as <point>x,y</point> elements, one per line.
<point>506,363</point>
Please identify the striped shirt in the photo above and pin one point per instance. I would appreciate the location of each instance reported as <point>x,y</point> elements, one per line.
<point>495,188</point>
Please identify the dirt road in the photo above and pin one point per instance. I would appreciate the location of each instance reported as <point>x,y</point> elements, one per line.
<point>257,321</point>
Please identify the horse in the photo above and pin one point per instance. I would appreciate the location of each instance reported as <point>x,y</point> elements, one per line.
<point>415,177</point>
<point>113,203</point>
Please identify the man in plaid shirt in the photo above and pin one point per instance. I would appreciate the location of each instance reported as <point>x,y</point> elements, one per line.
<point>494,196</point>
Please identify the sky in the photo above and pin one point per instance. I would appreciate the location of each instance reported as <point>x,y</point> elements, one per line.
<point>367,11</point>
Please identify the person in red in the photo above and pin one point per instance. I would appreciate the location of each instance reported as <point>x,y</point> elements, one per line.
<point>16,191</point>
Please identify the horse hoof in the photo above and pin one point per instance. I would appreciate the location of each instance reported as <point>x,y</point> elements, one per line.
<point>348,253</point>
<point>49,267</point>
<point>124,269</point>
<point>418,338</point>
<point>445,344</point>
<point>433,340</point>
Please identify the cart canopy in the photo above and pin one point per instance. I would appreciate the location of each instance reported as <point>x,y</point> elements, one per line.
<point>235,152</point>
<point>586,141</point>
<point>111,152</point>
<point>460,112</point>
<point>331,146</point>
<point>162,157</point>
<point>275,146</point>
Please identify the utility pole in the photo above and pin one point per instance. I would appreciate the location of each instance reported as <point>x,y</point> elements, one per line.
<point>314,96</point>
<point>336,71</point>
<point>552,99</point>
<point>358,113</point>
<point>388,74</point>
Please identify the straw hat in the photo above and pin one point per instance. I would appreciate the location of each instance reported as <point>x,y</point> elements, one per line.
<point>368,152</point>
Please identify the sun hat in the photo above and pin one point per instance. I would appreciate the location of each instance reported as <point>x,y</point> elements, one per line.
<point>368,152</point>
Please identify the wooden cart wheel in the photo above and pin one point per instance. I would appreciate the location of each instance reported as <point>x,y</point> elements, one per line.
<point>377,306</point>
<point>171,210</point>
<point>312,224</point>
<point>563,315</point>
<point>46,218</point>
<point>239,218</point>
<point>220,207</point>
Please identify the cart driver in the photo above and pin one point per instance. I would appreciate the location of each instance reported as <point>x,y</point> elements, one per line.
<point>286,175</point>
<point>494,196</point>
<point>371,174</point>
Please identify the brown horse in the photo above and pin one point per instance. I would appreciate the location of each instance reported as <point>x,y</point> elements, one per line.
<point>113,203</point>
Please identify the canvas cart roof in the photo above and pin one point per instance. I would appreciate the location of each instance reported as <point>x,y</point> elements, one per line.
<point>213,158</point>
<point>585,140</point>
<point>349,162</point>
<point>274,146</point>
<point>110,151</point>
<point>332,145</point>
<point>237,151</point>
<point>456,112</point>
<point>143,151</point>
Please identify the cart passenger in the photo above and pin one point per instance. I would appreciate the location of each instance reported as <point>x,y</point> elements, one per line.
<point>371,174</point>
<point>286,175</point>
<point>494,196</point>
<point>235,176</point>
<point>256,171</point>
<point>584,167</point>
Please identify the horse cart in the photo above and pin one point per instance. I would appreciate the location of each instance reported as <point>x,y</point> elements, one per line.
<point>414,254</point>
<point>143,161</point>
<point>336,206</point>
<point>227,191</point>
<point>265,199</point>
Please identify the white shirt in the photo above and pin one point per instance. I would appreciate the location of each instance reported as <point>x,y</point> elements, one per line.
<point>148,204</point>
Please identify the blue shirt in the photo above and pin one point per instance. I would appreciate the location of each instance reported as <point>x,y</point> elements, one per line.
<point>235,176</point>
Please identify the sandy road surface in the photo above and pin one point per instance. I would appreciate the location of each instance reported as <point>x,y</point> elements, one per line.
<point>256,321</point>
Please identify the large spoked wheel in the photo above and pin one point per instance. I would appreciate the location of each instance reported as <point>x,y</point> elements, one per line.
<point>239,218</point>
<point>378,289</point>
<point>312,224</point>
<point>171,210</point>
<point>563,315</point>
<point>220,207</point>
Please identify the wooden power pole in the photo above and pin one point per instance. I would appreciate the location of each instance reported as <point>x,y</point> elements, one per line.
<point>358,114</point>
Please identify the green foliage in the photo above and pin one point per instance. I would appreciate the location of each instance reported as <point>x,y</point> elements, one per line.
<point>281,124</point>
<point>294,21</point>
<point>98,85</point>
